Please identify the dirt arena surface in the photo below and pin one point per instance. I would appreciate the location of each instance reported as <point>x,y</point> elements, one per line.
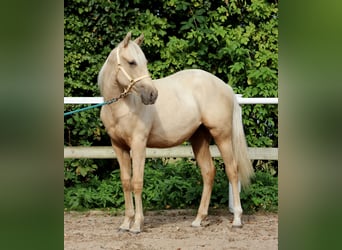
<point>170,229</point>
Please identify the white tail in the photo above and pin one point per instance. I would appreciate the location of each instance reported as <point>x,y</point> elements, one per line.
<point>245,168</point>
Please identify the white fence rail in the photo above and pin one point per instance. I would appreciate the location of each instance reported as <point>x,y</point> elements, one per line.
<point>107,152</point>
<point>95,100</point>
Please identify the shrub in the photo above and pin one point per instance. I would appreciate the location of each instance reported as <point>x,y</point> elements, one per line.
<point>173,185</point>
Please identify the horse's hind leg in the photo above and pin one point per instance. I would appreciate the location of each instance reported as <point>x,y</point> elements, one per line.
<point>200,145</point>
<point>226,148</point>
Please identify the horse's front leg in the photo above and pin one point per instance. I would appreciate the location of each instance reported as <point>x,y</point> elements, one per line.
<point>138,160</point>
<point>125,175</point>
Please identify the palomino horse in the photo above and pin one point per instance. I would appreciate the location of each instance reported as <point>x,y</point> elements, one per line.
<point>189,105</point>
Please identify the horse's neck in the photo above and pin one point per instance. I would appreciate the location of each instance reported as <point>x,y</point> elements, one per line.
<point>111,90</point>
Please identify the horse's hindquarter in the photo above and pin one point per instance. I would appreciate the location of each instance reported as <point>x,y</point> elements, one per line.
<point>186,100</point>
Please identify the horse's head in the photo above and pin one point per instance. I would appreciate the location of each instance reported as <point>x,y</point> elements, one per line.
<point>132,73</point>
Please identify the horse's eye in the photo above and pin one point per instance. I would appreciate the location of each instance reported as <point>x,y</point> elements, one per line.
<point>133,62</point>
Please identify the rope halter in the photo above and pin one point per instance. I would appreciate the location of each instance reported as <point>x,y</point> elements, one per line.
<point>131,80</point>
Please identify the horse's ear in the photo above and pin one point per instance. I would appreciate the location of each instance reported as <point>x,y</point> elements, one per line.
<point>139,40</point>
<point>127,39</point>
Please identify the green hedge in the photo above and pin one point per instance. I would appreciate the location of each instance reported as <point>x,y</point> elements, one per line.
<point>235,40</point>
<point>172,185</point>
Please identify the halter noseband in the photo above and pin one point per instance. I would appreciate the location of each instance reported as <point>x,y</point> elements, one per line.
<point>131,80</point>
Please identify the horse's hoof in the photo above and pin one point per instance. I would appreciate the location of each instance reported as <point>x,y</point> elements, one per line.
<point>196,224</point>
<point>123,230</point>
<point>135,231</point>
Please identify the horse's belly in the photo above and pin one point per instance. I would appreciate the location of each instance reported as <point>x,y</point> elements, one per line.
<point>165,141</point>
<point>171,134</point>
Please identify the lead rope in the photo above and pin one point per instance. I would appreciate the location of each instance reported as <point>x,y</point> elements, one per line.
<point>94,106</point>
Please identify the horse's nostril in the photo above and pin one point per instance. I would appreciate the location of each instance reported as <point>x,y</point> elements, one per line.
<point>153,96</point>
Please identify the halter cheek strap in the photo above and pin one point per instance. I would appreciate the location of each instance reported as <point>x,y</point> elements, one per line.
<point>131,80</point>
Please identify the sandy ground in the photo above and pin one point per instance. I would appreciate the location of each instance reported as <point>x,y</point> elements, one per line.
<point>170,230</point>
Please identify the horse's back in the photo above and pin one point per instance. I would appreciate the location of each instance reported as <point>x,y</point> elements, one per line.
<point>194,85</point>
<point>191,77</point>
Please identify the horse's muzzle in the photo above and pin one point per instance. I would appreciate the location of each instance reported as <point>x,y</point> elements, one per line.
<point>149,97</point>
